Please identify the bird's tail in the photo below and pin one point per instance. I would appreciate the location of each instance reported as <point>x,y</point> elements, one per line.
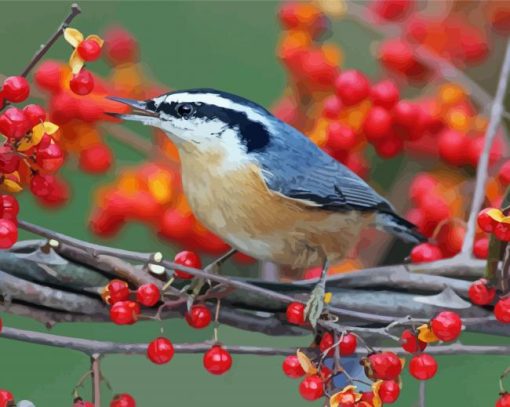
<point>394,224</point>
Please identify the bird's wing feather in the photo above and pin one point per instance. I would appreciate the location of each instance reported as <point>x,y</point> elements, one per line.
<point>296,168</point>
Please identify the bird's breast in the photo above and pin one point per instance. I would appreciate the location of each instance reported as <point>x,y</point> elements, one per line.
<point>237,205</point>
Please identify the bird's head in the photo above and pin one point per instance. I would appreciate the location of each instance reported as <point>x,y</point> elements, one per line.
<point>205,120</point>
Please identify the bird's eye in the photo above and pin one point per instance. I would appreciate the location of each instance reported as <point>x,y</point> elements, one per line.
<point>184,110</point>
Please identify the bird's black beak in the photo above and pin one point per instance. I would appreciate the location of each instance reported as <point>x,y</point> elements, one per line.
<point>141,112</point>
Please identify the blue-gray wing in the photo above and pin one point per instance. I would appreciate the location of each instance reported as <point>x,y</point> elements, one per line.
<point>295,167</point>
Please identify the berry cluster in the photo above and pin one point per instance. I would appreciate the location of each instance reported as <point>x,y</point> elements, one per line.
<point>482,293</point>
<point>85,50</point>
<point>30,155</point>
<point>125,310</point>
<point>350,113</point>
<point>382,368</point>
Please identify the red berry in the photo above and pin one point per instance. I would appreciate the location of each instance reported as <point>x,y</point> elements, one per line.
<point>486,223</point>
<point>217,360</point>
<point>452,146</point>
<point>425,252</point>
<point>8,233</point>
<point>296,313</point>
<point>123,400</point>
<point>326,343</point>
<point>422,185</point>
<point>385,365</point>
<point>348,344</point>
<point>502,310</point>
<point>332,107</point>
<point>411,343</point>
<point>59,194</point>
<point>115,291</point>
<point>9,207</point>
<point>292,368</point>
<point>148,294</point>
<point>385,94</point>
<point>96,159</point>
<point>14,123</point>
<point>89,50</point>
<point>9,160</point>
<point>502,231</point>
<point>48,75</point>
<point>406,115</point>
<point>423,367</point>
<point>79,402</point>
<point>340,137</point>
<point>82,83</point>
<point>311,388</point>
<point>481,248</point>
<point>120,46</point>
<point>188,259</point>
<point>198,316</point>
<point>434,208</point>
<point>389,391</point>
<point>5,397</point>
<point>397,55</point>
<point>175,225</point>
<point>391,9</point>
<point>389,147</point>
<point>160,351</point>
<point>377,124</point>
<point>503,401</point>
<point>35,114</point>
<point>49,156</point>
<point>480,293</point>
<point>446,325</point>
<point>352,87</point>
<point>124,312</point>
<point>368,397</point>
<point>15,89</point>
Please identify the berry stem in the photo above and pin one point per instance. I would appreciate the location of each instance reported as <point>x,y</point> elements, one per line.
<point>421,393</point>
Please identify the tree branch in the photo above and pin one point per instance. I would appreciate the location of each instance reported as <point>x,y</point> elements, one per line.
<point>92,347</point>
<point>75,10</point>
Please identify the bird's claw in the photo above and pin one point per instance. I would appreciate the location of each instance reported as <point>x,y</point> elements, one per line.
<point>315,305</point>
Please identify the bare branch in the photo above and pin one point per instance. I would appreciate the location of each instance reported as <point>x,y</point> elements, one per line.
<point>92,347</point>
<point>75,10</point>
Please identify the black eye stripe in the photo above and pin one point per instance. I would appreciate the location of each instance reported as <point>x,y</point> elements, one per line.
<point>253,134</point>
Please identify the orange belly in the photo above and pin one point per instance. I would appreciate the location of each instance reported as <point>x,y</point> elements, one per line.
<point>238,207</point>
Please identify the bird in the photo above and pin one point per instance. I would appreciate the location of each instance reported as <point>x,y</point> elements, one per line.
<point>264,187</point>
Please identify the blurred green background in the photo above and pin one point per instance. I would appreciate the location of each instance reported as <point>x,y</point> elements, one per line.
<point>227,45</point>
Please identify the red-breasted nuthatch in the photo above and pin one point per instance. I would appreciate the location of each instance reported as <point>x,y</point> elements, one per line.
<point>261,185</point>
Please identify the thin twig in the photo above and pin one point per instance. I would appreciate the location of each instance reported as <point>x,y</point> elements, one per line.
<point>483,164</point>
<point>75,10</point>
<point>421,391</point>
<point>91,347</point>
<point>96,379</point>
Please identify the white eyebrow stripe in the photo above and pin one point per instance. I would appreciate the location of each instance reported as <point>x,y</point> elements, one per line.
<point>217,100</point>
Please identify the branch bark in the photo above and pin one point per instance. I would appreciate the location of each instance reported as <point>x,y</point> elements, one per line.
<point>92,347</point>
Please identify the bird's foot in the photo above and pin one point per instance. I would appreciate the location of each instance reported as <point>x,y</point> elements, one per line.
<point>315,304</point>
